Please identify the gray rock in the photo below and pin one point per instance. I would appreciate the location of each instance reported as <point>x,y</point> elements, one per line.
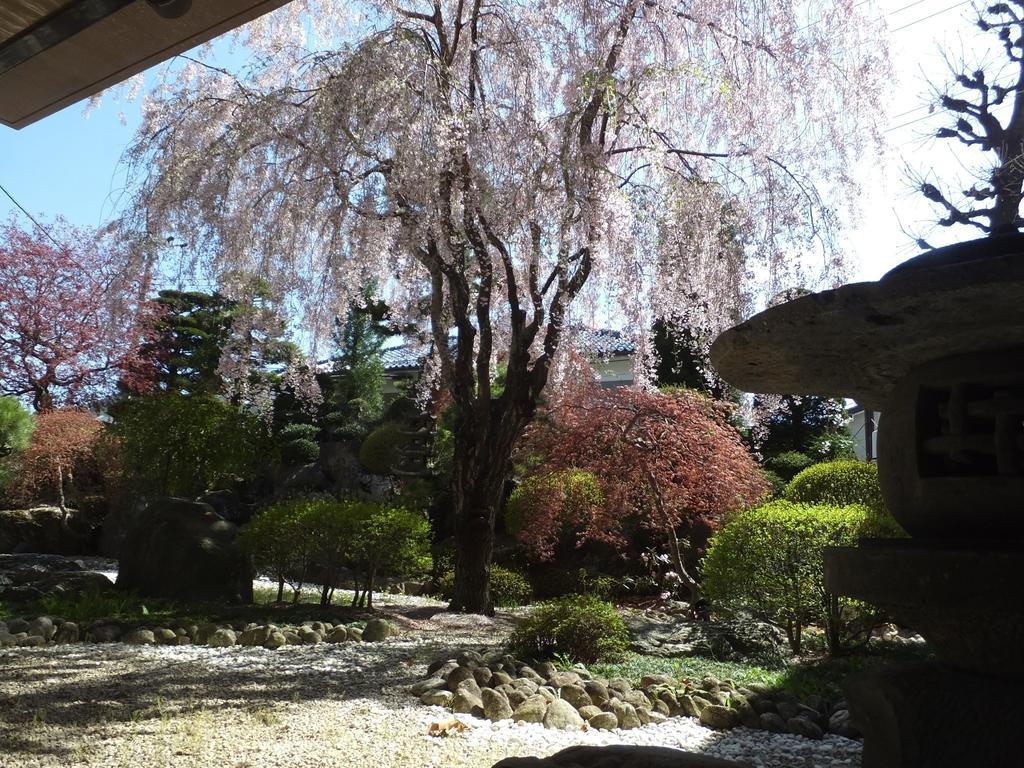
<point>42,626</point>
<point>17,626</point>
<point>275,640</point>
<point>718,717</point>
<point>546,669</point>
<point>466,701</point>
<point>7,640</point>
<point>801,726</point>
<point>429,684</point>
<point>438,697</point>
<point>67,632</point>
<point>647,680</point>
<point>688,706</point>
<point>618,756</point>
<point>560,679</point>
<point>743,639</point>
<point>772,722</point>
<point>458,675</point>
<point>496,705</point>
<point>597,690</point>
<point>376,630</point>
<point>531,675</point>
<point>637,699</point>
<point>222,638</point>
<point>576,695</point>
<point>482,675</point>
<point>103,633</point>
<point>841,724</point>
<point>183,550</point>
<point>604,721</point>
<point>467,658</point>
<point>500,678</point>
<point>625,713</point>
<point>255,636</point>
<point>165,636</point>
<point>470,685</point>
<point>355,634</point>
<point>532,710</point>
<point>526,685</point>
<point>561,715</point>
<point>620,684</point>
<point>291,637</point>
<point>308,636</point>
<point>588,711</point>
<point>515,697</point>
<point>31,641</point>
<point>140,637</point>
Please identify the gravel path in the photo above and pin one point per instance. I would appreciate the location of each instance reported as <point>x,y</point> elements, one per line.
<point>116,705</point>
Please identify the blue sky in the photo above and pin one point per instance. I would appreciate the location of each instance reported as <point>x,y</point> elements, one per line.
<point>68,163</point>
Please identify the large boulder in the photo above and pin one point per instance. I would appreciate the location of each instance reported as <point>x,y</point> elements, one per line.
<point>43,530</point>
<point>655,633</point>
<point>618,756</point>
<point>30,577</point>
<point>183,550</point>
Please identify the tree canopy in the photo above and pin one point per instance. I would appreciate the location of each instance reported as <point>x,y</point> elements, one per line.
<point>522,164</point>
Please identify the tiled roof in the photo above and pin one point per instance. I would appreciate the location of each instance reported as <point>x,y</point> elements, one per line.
<point>598,343</point>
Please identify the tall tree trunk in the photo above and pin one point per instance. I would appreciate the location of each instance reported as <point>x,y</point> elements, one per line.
<point>280,589</point>
<point>478,481</point>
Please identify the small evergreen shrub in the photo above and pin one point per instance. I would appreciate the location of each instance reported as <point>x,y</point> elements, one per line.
<point>788,464</point>
<point>838,483</point>
<point>381,449</point>
<point>509,589</point>
<point>298,443</point>
<point>578,626</point>
<point>769,562</point>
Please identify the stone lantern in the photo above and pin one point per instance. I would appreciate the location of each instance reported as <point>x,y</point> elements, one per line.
<point>936,345</point>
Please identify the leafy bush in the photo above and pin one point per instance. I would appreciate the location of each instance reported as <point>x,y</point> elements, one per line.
<point>788,464</point>
<point>838,483</point>
<point>59,466</point>
<point>575,490</point>
<point>279,543</point>
<point>16,427</point>
<point>558,580</point>
<point>578,626</point>
<point>381,450</point>
<point>509,589</point>
<point>769,561</point>
<point>178,445</point>
<point>288,539</point>
<point>298,443</point>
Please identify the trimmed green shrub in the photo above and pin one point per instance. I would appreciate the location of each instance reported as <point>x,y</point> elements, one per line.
<point>578,626</point>
<point>289,539</point>
<point>298,443</point>
<point>769,562</point>
<point>279,543</point>
<point>16,427</point>
<point>388,539</point>
<point>575,489</point>
<point>788,464</point>
<point>509,589</point>
<point>381,450</point>
<point>838,483</point>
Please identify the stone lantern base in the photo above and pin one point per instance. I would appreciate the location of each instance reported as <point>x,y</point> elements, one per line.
<point>967,600</point>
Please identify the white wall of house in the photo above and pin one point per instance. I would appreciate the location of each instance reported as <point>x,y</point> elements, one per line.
<point>858,430</point>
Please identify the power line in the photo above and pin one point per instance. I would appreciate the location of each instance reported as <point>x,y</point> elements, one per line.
<point>34,220</point>
<point>930,16</point>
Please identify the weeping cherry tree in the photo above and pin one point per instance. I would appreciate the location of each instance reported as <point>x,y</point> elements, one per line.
<point>506,169</point>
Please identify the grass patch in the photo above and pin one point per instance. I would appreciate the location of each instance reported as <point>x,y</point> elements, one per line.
<point>821,675</point>
<point>694,668</point>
